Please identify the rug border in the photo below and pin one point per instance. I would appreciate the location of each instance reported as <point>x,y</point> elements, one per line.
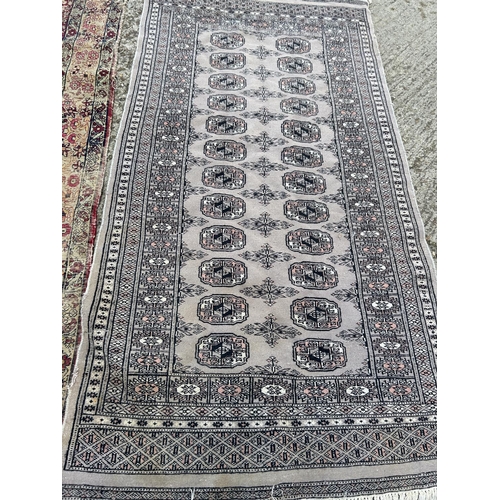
<point>415,494</point>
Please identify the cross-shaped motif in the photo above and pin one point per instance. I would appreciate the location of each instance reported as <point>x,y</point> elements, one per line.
<point>264,140</point>
<point>264,224</point>
<point>264,166</point>
<point>264,194</point>
<point>266,256</point>
<point>271,330</point>
<point>269,292</point>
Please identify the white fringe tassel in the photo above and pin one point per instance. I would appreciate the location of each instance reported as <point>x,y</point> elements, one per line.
<point>424,494</point>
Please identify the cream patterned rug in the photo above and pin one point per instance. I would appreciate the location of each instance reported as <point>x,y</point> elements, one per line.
<point>260,318</point>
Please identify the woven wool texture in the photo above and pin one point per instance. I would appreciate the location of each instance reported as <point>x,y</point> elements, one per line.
<point>89,32</point>
<point>260,315</point>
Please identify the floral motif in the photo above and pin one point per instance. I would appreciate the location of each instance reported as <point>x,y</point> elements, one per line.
<point>188,254</point>
<point>353,336</point>
<point>394,366</point>
<point>264,224</point>
<point>269,292</point>
<point>192,220</point>
<point>399,390</point>
<point>345,259</point>
<point>272,368</point>
<point>193,136</point>
<point>264,140</point>
<point>88,49</point>
<point>262,93</point>
<point>146,388</point>
<point>229,390</point>
<point>337,198</point>
<point>184,329</point>
<point>194,161</point>
<point>262,72</point>
<point>266,256</point>
<point>190,190</point>
<point>328,121</point>
<point>317,392</point>
<point>189,290</point>
<point>271,330</point>
<point>331,146</point>
<point>347,295</point>
<point>263,166</point>
<point>341,227</point>
<point>190,396</point>
<point>66,361</point>
<point>264,194</point>
<point>263,115</point>
<point>262,52</point>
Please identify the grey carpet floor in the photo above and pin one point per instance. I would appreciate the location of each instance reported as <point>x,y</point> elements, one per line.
<point>406,35</point>
<point>406,31</point>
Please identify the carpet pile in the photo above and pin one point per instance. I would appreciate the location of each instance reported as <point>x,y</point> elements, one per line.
<point>89,34</point>
<point>259,321</point>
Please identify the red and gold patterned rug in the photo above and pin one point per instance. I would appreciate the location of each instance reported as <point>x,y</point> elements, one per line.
<point>89,31</point>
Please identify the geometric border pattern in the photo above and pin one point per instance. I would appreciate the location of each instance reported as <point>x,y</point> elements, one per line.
<point>195,451</point>
<point>322,489</point>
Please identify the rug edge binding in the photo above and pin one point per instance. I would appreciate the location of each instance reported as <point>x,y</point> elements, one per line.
<point>419,494</point>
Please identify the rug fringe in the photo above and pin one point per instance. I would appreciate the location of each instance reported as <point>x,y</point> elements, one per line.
<point>423,494</point>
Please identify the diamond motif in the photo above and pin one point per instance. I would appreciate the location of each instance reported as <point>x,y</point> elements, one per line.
<point>264,194</point>
<point>264,224</point>
<point>264,140</point>
<point>319,354</point>
<point>266,256</point>
<point>314,313</point>
<point>271,330</point>
<point>222,350</point>
<point>263,166</point>
<point>222,309</point>
<point>269,292</point>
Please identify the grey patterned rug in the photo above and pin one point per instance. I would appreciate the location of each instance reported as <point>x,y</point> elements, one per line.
<point>260,318</point>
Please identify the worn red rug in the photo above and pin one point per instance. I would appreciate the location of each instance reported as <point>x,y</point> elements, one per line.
<point>89,31</point>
